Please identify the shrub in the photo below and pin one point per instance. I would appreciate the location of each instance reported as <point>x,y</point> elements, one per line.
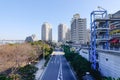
<point>96,74</point>
<point>27,72</point>
<point>70,56</point>
<point>47,59</point>
<point>4,77</point>
<point>80,64</point>
<point>15,76</point>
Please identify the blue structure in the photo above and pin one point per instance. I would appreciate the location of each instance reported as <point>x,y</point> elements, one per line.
<point>99,34</point>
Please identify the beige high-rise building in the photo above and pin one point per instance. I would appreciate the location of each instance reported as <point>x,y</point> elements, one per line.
<point>62,32</point>
<point>68,35</point>
<point>46,32</point>
<point>78,29</point>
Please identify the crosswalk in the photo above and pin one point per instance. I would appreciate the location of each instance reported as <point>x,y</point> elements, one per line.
<point>58,69</point>
<point>55,62</point>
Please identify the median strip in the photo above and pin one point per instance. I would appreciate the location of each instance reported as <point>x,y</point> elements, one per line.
<point>60,75</point>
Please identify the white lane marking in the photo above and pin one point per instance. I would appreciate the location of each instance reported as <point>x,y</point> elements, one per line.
<point>55,60</point>
<point>61,72</point>
<point>71,70</point>
<point>60,75</point>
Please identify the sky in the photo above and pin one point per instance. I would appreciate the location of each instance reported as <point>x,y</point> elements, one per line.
<point>22,18</point>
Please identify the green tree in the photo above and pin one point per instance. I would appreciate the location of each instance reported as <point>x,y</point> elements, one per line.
<point>27,72</point>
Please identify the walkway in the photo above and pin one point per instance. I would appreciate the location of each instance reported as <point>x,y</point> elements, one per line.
<point>40,66</point>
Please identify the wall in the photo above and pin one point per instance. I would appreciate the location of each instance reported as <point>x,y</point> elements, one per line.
<point>109,62</point>
<point>84,52</point>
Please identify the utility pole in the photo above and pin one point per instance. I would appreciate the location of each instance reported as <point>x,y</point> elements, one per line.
<point>43,50</point>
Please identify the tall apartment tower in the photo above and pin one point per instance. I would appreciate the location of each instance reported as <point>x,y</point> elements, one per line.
<point>68,35</point>
<point>62,32</point>
<point>78,29</point>
<point>46,32</point>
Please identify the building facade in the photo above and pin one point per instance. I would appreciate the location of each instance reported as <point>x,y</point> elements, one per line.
<point>62,32</point>
<point>31,38</point>
<point>68,35</point>
<point>46,30</point>
<point>108,61</point>
<point>78,29</point>
<point>105,36</point>
<point>115,31</point>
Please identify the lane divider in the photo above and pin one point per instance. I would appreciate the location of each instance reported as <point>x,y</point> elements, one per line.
<point>55,59</point>
<point>60,75</point>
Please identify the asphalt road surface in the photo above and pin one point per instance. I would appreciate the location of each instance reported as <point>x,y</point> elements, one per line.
<point>58,68</point>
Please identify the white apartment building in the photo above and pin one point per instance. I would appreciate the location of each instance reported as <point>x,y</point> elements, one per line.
<point>46,30</point>
<point>78,29</point>
<point>68,35</point>
<point>62,32</point>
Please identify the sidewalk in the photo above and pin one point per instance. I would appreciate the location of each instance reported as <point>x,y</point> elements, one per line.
<point>40,66</point>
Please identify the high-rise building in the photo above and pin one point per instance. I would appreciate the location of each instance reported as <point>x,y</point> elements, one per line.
<point>68,35</point>
<point>46,32</point>
<point>62,32</point>
<point>78,29</point>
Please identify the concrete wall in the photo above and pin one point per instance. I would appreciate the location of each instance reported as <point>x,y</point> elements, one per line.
<point>109,62</point>
<point>84,53</point>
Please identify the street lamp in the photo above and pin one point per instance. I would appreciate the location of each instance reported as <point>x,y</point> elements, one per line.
<point>43,50</point>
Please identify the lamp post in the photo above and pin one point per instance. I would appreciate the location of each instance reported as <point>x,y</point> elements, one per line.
<point>43,51</point>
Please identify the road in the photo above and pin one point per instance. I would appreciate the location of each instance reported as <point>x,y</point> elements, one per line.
<point>58,68</point>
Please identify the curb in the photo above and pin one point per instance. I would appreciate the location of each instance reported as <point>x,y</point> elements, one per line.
<point>45,68</point>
